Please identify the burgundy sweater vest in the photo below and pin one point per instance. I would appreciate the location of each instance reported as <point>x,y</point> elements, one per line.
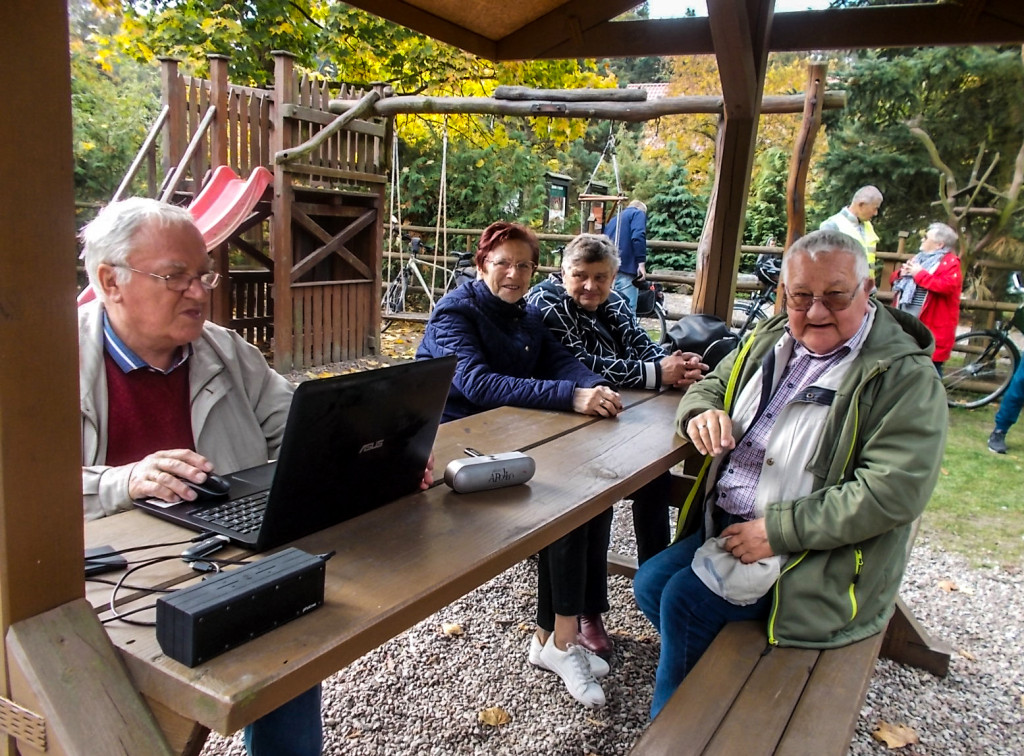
<point>147,412</point>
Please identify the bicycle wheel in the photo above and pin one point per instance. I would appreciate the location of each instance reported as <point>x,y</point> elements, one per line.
<point>752,310</point>
<point>979,368</point>
<point>394,297</point>
<point>655,323</point>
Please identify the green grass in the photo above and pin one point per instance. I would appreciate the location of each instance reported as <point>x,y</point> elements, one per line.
<point>977,507</point>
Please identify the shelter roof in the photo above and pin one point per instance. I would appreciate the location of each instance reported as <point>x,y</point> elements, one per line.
<point>539,29</point>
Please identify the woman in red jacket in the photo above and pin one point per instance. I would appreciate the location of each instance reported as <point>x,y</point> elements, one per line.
<point>928,286</point>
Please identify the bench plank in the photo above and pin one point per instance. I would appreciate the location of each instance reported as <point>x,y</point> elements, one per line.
<point>758,716</point>
<point>702,706</point>
<point>840,678</point>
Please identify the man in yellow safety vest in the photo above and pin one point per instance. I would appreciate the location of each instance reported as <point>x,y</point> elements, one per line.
<point>855,220</point>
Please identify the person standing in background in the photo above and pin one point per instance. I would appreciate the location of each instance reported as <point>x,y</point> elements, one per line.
<point>928,286</point>
<point>628,230</point>
<point>1010,405</point>
<point>855,220</point>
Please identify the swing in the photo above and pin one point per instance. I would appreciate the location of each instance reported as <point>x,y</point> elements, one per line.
<point>409,274</point>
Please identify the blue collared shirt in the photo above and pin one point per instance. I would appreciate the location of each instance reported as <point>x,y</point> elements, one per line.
<point>127,360</point>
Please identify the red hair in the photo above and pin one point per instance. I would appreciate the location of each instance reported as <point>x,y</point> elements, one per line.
<point>500,232</point>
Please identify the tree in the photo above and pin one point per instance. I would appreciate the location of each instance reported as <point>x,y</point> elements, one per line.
<point>113,103</point>
<point>766,211</point>
<point>676,213</point>
<point>967,100</point>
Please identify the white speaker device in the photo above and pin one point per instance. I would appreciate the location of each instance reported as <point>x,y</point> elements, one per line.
<point>481,472</point>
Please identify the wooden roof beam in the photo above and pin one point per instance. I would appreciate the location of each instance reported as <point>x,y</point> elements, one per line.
<point>419,20</point>
<point>569,23</point>
<point>732,34</point>
<point>998,22</point>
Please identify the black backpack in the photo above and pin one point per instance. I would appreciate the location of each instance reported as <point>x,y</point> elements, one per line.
<point>705,335</point>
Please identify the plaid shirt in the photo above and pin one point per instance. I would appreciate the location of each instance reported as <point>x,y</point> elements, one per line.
<point>736,487</point>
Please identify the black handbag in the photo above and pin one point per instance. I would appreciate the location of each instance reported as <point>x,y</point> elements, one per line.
<point>705,335</point>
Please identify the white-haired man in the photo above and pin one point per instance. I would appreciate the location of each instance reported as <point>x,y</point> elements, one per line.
<point>168,396</point>
<point>824,432</point>
<point>855,220</point>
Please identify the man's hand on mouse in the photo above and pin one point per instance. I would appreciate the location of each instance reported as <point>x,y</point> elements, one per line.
<point>162,475</point>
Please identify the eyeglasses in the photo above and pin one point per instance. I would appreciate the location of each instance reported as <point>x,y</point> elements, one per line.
<point>506,265</point>
<point>180,281</point>
<point>836,301</point>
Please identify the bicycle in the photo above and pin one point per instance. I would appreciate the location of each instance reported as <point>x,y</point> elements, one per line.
<point>983,362</point>
<point>395,299</point>
<point>761,305</point>
<point>650,306</point>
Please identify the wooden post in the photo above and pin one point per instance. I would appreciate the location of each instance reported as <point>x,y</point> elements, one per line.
<point>219,100</point>
<point>41,533</point>
<point>740,34</point>
<point>282,137</point>
<point>220,307</point>
<point>174,99</point>
<point>796,187</point>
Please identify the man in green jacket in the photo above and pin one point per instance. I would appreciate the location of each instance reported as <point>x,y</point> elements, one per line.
<point>823,433</point>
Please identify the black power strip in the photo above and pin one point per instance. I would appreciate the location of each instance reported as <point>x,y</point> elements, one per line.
<point>224,611</point>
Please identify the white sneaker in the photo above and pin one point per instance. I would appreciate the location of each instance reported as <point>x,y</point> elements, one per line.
<point>598,666</point>
<point>573,666</point>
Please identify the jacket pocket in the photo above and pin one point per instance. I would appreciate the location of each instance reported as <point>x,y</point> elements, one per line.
<point>858,565</point>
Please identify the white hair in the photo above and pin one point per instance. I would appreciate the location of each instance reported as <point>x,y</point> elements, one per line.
<point>869,195</point>
<point>944,235</point>
<point>826,242</point>
<point>110,237</point>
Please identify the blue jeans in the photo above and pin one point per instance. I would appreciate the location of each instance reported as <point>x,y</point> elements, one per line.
<point>624,285</point>
<point>292,729</point>
<point>1012,401</point>
<point>685,612</point>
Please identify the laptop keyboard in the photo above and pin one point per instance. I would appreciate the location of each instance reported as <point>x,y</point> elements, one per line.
<point>242,515</point>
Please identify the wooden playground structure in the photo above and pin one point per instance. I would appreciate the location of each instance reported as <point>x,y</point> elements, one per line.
<point>317,154</point>
<point>311,289</point>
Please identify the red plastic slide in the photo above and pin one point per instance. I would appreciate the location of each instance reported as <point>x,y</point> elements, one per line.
<point>226,201</point>
<point>220,207</point>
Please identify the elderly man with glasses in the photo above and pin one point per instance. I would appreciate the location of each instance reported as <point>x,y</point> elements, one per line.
<point>168,396</point>
<point>823,431</point>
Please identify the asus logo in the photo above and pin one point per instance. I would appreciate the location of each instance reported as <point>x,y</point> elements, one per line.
<point>371,446</point>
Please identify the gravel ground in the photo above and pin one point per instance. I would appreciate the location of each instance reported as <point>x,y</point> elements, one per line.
<point>423,692</point>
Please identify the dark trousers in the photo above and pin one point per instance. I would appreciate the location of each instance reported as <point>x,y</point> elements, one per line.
<point>572,575</point>
<point>650,517</point>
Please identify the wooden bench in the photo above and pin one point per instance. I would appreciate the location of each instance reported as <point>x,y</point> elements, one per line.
<point>745,696</point>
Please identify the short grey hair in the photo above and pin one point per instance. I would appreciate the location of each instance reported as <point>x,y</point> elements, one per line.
<point>590,248</point>
<point>826,242</point>
<point>868,195</point>
<point>943,234</point>
<point>638,204</point>
<point>110,237</point>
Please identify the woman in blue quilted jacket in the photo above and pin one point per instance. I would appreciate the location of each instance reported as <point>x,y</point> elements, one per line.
<point>508,357</point>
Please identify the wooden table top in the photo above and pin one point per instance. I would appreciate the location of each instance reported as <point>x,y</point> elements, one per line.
<point>400,563</point>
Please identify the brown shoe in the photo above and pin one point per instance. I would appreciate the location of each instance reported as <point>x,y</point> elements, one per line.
<point>593,637</point>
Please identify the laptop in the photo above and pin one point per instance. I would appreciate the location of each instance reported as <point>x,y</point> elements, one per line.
<point>351,444</point>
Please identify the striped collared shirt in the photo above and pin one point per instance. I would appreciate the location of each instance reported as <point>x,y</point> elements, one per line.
<point>127,360</point>
<point>736,487</point>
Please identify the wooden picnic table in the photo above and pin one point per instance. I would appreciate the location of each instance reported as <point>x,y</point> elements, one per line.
<point>394,566</point>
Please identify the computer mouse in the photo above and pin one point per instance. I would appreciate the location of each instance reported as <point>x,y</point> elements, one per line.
<point>215,487</point>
